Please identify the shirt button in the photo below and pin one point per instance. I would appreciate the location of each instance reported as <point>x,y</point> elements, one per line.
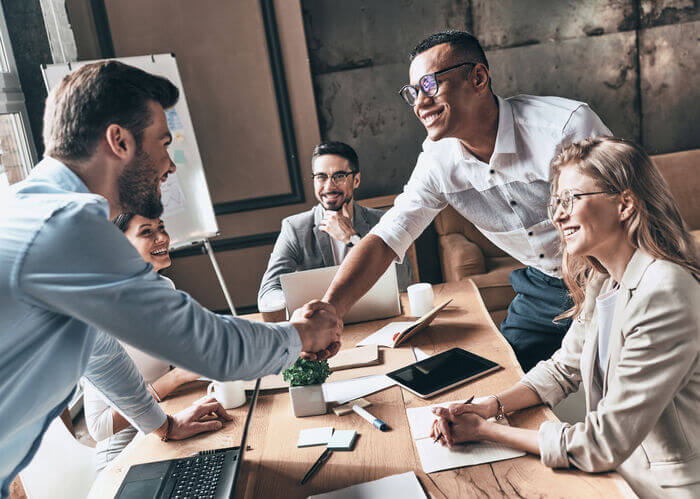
<point>530,233</point>
<point>492,172</point>
<point>512,202</point>
<point>541,255</point>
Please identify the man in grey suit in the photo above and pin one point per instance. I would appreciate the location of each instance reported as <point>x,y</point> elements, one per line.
<point>323,235</point>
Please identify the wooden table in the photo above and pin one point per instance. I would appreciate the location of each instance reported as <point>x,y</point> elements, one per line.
<point>274,465</point>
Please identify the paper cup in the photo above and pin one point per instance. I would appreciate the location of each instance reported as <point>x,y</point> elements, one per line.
<point>420,298</point>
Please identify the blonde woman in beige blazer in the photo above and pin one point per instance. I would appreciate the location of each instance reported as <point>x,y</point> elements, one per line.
<point>633,273</point>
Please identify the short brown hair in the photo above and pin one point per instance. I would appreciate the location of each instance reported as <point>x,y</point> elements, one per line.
<point>81,107</point>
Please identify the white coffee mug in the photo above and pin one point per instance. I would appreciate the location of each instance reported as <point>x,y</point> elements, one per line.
<point>420,298</point>
<point>230,394</point>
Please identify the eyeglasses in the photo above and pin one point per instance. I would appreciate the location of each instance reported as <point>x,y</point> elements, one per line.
<point>566,201</point>
<point>428,84</point>
<point>336,178</point>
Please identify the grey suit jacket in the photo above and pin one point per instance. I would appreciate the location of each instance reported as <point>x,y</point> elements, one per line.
<point>643,413</point>
<point>302,245</point>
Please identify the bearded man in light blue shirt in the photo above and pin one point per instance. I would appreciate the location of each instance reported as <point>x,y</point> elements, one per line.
<point>67,272</point>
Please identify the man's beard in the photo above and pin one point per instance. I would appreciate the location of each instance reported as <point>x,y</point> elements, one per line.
<point>338,206</point>
<point>138,192</point>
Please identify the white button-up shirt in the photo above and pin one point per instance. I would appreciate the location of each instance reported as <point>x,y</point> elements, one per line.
<point>506,198</point>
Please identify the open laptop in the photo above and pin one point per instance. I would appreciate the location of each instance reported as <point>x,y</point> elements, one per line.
<point>209,474</point>
<point>381,301</point>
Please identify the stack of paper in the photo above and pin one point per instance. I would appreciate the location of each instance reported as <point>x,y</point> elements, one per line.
<point>351,389</point>
<point>405,486</point>
<point>435,457</point>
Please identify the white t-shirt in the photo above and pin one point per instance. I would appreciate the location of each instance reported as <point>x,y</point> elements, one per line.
<point>605,306</point>
<point>339,248</point>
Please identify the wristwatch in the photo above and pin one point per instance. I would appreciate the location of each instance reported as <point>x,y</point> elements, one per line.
<point>354,240</point>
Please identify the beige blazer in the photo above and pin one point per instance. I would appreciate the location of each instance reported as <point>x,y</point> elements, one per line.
<point>643,414</point>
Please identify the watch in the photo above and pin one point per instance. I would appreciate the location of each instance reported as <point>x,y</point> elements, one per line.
<point>354,240</point>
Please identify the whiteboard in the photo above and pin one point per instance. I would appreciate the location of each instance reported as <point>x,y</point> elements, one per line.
<point>188,212</point>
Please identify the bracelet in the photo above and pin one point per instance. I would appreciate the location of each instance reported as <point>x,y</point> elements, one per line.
<point>500,413</point>
<point>153,392</point>
<point>165,437</point>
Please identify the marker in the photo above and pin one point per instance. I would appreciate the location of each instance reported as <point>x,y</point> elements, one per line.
<point>369,418</point>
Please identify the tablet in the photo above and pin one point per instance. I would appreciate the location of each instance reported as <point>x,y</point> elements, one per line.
<point>442,371</point>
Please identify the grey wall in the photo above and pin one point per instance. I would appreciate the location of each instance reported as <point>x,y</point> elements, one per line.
<point>634,61</point>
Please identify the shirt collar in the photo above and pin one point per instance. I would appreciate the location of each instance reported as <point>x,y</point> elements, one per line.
<point>505,135</point>
<point>52,169</point>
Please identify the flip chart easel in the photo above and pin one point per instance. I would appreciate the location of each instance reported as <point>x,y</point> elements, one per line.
<point>188,212</point>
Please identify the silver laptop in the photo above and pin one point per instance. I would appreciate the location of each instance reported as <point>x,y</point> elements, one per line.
<point>380,302</point>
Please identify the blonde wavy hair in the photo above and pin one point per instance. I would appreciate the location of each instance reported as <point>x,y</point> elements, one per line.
<point>656,226</point>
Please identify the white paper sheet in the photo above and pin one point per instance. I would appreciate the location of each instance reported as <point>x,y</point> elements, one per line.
<point>405,486</point>
<point>435,457</point>
<point>314,436</point>
<point>351,389</point>
<point>385,335</point>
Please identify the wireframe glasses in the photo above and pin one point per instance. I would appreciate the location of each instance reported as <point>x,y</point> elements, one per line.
<point>566,201</point>
<point>428,84</point>
<point>336,178</point>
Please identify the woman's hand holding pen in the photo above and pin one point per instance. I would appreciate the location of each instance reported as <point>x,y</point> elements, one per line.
<point>461,422</point>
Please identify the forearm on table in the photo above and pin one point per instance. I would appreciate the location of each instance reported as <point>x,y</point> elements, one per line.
<point>518,397</point>
<point>517,438</point>
<point>170,381</point>
<point>363,266</point>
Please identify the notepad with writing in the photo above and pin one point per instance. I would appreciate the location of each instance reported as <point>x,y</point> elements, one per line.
<point>434,457</point>
<point>395,333</point>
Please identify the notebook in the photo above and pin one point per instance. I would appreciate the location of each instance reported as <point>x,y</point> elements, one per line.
<point>434,457</point>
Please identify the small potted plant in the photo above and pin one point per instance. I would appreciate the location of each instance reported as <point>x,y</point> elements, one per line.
<point>305,378</point>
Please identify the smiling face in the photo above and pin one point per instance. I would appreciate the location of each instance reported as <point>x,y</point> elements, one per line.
<point>139,183</point>
<point>454,107</point>
<point>333,196</point>
<point>595,226</point>
<point>150,239</point>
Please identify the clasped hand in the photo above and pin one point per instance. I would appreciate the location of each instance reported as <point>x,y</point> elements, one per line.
<point>319,328</point>
<point>459,423</point>
<point>338,225</point>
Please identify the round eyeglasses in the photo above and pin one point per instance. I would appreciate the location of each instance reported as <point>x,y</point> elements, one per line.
<point>566,201</point>
<point>336,178</point>
<point>428,84</point>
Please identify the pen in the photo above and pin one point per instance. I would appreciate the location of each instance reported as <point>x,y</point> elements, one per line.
<point>468,401</point>
<point>369,418</point>
<point>322,459</point>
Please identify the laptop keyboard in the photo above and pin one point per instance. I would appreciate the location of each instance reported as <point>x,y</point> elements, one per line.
<point>197,476</point>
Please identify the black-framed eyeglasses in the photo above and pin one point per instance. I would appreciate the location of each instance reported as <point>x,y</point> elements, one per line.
<point>566,201</point>
<point>428,84</point>
<point>336,178</point>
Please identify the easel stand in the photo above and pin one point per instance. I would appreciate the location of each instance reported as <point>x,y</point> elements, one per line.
<point>210,251</point>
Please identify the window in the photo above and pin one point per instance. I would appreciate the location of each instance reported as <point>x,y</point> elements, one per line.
<point>16,149</point>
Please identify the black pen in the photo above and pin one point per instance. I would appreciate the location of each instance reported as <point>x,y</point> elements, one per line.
<point>468,401</point>
<point>324,457</point>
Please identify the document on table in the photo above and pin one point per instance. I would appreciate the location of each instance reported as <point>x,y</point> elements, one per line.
<point>351,389</point>
<point>385,336</point>
<point>435,457</point>
<point>405,486</point>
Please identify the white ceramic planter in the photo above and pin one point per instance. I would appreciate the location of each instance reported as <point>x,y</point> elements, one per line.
<point>307,400</point>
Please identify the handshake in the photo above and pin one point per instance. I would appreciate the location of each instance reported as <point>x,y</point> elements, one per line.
<point>319,328</point>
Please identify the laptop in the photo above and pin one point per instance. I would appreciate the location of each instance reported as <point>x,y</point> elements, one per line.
<point>209,474</point>
<point>380,302</point>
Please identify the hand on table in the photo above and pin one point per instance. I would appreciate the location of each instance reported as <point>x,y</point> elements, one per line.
<point>458,423</point>
<point>338,225</point>
<point>188,422</point>
<point>319,329</point>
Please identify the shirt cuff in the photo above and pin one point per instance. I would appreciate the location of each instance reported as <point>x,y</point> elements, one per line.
<point>550,439</point>
<point>294,343</point>
<point>539,380</point>
<point>150,420</point>
<point>394,241</point>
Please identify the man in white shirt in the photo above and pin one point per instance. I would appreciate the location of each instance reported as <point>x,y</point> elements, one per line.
<point>487,157</point>
<point>323,235</point>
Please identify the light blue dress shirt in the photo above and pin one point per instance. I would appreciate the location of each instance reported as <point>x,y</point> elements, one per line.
<point>67,272</point>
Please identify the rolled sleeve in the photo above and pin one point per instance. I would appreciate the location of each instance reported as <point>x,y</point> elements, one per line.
<point>413,210</point>
<point>550,439</point>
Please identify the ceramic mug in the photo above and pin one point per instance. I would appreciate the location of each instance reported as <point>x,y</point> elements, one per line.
<point>230,394</point>
<point>420,298</point>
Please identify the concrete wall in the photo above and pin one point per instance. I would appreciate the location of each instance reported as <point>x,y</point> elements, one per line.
<point>634,61</point>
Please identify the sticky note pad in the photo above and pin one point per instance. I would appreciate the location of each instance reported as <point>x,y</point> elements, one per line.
<point>342,440</point>
<point>314,436</point>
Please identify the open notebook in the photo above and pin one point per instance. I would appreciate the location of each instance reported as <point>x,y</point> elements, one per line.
<point>434,457</point>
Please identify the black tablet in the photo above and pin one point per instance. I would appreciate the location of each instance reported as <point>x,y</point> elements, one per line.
<point>442,371</point>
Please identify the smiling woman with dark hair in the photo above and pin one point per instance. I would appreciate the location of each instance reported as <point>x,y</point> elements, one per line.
<point>106,425</point>
<point>633,271</point>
